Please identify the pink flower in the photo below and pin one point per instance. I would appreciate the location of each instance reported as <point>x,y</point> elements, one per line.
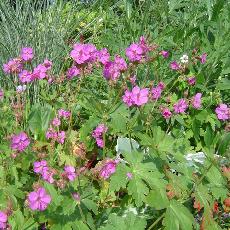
<point>63,113</point>
<point>56,122</point>
<point>40,166</point>
<point>223,112</point>
<point>1,94</point>
<point>61,137</point>
<point>136,97</point>
<point>180,106</point>
<point>127,98</point>
<point>39,200</point>
<point>103,56</point>
<point>196,101</point>
<point>98,134</point>
<point>134,52</point>
<point>100,129</point>
<point>174,65</point>
<point>133,80</point>
<point>120,63</point>
<point>140,96</point>
<point>70,172</point>
<point>108,169</point>
<point>161,85</point>
<point>51,134</point>
<point>3,220</point>
<point>76,196</point>
<point>48,64</point>
<point>111,71</point>
<point>72,72</point>
<point>47,175</point>
<point>164,53</point>
<point>25,76</point>
<point>83,53</point>
<point>203,58</point>
<point>166,113</point>
<point>20,142</point>
<point>191,80</point>
<point>100,142</point>
<point>14,66</point>
<point>40,72</point>
<point>143,44</point>
<point>27,54</point>
<point>129,175</point>
<point>156,92</point>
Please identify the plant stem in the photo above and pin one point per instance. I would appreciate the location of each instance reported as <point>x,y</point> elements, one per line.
<point>156,221</point>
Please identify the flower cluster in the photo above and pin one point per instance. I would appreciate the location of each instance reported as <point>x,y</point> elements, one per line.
<point>16,66</point>
<point>41,168</point>
<point>156,91</point>
<point>166,113</point>
<point>39,199</point>
<point>105,168</point>
<point>98,134</point>
<point>83,53</point>
<point>72,72</point>
<point>20,142</point>
<point>53,132</point>
<point>27,54</point>
<point>184,60</point>
<point>103,56</point>
<point>136,97</point>
<point>70,172</point>
<point>196,101</point>
<point>137,52</point>
<point>113,70</point>
<point>223,112</point>
<point>63,113</point>
<point>180,106</point>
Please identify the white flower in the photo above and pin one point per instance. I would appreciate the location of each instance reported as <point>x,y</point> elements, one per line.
<point>21,88</point>
<point>184,58</point>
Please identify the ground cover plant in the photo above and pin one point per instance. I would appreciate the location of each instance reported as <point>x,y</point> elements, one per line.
<point>132,135</point>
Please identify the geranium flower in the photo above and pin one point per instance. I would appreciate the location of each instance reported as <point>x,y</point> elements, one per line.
<point>20,142</point>
<point>39,199</point>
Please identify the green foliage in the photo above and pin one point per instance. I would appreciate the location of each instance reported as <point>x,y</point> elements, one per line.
<point>129,221</point>
<point>156,177</point>
<point>177,216</point>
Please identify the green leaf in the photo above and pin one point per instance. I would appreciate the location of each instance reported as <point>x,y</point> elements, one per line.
<point>30,224</point>
<point>138,189</point>
<point>39,119</point>
<point>68,206</point>
<point>178,217</point>
<point>157,199</point>
<point>225,83</point>
<point>119,179</point>
<point>119,119</point>
<point>19,218</point>
<point>130,221</point>
<point>160,141</point>
<point>208,137</point>
<point>91,205</point>
<point>56,199</point>
<point>13,190</point>
<point>79,225</point>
